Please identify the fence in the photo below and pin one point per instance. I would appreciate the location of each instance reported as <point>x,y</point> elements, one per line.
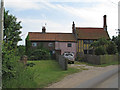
<point>101,59</point>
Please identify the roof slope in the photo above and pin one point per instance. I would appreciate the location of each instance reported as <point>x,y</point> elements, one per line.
<point>37,36</point>
<point>91,33</point>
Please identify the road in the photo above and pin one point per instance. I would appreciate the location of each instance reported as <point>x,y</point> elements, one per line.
<point>107,79</point>
<point>111,82</point>
<point>96,77</point>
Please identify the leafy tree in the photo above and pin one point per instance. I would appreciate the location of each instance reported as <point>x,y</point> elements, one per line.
<point>11,30</point>
<point>10,40</point>
<point>117,42</point>
<point>111,49</point>
<point>103,46</point>
<point>100,51</point>
<point>20,50</point>
<point>9,62</point>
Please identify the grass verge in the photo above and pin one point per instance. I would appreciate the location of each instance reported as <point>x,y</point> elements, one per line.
<point>40,75</point>
<point>49,71</point>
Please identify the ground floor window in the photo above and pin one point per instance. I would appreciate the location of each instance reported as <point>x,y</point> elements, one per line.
<point>85,51</point>
<point>69,45</point>
<point>34,44</point>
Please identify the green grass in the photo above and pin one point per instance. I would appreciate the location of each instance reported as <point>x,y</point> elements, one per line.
<point>49,71</point>
<point>42,74</point>
<point>102,65</point>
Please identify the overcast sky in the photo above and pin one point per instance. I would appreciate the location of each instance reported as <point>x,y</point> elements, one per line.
<point>59,14</point>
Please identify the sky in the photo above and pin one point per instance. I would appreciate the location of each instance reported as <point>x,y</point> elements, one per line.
<point>58,15</point>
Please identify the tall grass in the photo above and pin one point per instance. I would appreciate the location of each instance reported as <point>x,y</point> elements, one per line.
<point>22,79</point>
<point>42,74</point>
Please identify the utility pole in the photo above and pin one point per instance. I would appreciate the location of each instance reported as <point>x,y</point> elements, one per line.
<point>1,38</point>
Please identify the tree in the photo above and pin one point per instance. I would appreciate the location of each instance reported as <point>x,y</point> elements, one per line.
<point>11,38</point>
<point>111,49</point>
<point>20,50</point>
<point>117,42</point>
<point>100,51</point>
<point>103,46</point>
<point>11,30</point>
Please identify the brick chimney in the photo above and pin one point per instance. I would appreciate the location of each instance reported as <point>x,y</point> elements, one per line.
<point>73,28</point>
<point>105,22</point>
<point>43,29</point>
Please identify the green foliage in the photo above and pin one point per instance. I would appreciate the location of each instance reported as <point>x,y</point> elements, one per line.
<point>11,30</point>
<point>9,62</point>
<point>22,79</point>
<point>40,54</point>
<point>101,42</point>
<point>111,49</point>
<point>48,71</point>
<point>103,46</point>
<point>28,46</point>
<point>100,51</point>
<point>20,50</point>
<point>117,42</point>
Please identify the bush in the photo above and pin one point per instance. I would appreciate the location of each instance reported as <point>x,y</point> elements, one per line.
<point>40,54</point>
<point>111,49</point>
<point>100,50</point>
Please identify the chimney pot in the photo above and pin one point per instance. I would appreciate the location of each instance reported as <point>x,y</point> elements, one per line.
<point>43,29</point>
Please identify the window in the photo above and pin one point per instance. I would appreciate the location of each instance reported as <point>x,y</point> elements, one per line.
<point>50,44</point>
<point>91,41</point>
<point>34,44</point>
<point>87,41</point>
<point>69,45</point>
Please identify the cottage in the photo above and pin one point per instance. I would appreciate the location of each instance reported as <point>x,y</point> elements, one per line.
<point>76,42</point>
<point>86,35</point>
<point>55,42</point>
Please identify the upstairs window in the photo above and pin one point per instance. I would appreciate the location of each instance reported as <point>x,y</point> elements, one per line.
<point>69,45</point>
<point>87,41</point>
<point>34,44</point>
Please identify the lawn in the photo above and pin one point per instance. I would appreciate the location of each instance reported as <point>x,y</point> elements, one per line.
<point>48,71</point>
<point>40,75</point>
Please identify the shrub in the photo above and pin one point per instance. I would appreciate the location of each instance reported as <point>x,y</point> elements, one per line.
<point>100,50</point>
<point>111,49</point>
<point>40,54</point>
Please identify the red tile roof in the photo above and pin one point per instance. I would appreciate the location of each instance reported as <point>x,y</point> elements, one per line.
<point>37,36</point>
<point>91,33</point>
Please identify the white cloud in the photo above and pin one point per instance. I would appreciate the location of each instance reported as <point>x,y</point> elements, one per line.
<point>91,17</point>
<point>22,5</point>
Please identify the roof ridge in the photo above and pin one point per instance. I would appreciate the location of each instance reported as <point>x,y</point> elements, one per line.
<point>91,27</point>
<point>49,33</point>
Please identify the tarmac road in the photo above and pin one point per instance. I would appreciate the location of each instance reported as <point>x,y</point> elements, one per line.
<point>111,82</point>
<point>108,79</point>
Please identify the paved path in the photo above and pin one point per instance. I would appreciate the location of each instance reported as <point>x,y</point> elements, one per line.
<point>75,80</point>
